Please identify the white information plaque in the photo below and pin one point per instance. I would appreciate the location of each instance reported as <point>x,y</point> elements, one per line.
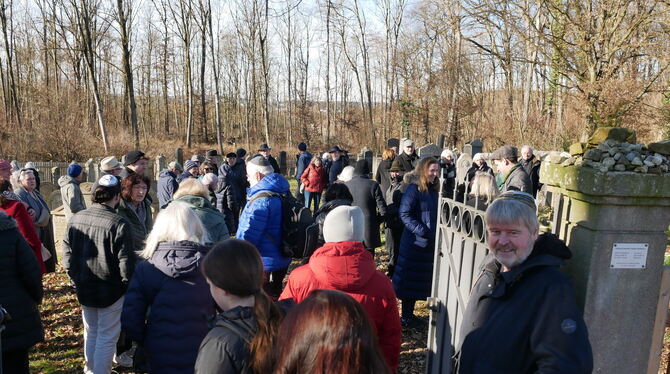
<point>629,256</point>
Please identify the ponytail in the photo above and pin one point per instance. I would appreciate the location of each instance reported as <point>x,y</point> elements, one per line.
<point>268,317</point>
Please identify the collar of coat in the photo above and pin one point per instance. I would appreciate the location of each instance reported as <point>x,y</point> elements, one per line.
<point>505,176</point>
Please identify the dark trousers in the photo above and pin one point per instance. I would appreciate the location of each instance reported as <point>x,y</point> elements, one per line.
<point>393,237</point>
<point>15,362</point>
<point>299,195</point>
<point>407,307</point>
<point>273,282</point>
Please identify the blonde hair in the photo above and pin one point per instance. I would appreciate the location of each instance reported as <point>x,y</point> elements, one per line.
<point>484,186</point>
<point>421,170</point>
<point>177,222</point>
<point>191,186</point>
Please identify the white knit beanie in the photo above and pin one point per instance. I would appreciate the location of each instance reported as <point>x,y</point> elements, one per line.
<point>344,224</point>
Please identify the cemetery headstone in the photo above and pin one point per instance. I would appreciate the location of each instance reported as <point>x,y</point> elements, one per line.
<point>282,162</point>
<point>429,149</point>
<point>89,167</point>
<point>179,155</point>
<point>477,146</point>
<point>440,140</point>
<point>160,165</point>
<point>55,174</point>
<point>463,163</point>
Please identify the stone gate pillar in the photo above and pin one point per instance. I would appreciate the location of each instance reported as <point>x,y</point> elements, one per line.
<point>614,223</point>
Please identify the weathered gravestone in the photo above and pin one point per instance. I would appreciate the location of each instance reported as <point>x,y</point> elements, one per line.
<point>46,189</point>
<point>179,155</point>
<point>614,224</point>
<point>55,174</point>
<point>160,165</point>
<point>429,149</point>
<point>366,154</point>
<point>89,168</point>
<point>463,163</point>
<point>440,140</point>
<point>282,162</point>
<point>475,146</point>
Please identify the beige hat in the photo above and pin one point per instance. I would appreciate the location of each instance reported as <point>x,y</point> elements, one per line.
<point>110,163</point>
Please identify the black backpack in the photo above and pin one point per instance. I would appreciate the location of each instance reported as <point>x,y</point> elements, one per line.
<point>296,219</point>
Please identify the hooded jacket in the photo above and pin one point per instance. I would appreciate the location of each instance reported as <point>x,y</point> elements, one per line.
<point>73,199</point>
<point>224,350</point>
<point>261,221</point>
<point>172,289</point>
<point>348,267</point>
<point>167,186</point>
<point>21,289</point>
<point>213,220</point>
<point>525,320</point>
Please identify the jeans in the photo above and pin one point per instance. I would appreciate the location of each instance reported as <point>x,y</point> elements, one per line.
<point>102,327</point>
<point>312,196</point>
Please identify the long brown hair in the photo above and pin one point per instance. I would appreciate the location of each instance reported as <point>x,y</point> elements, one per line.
<point>235,266</point>
<point>329,332</point>
<point>421,170</point>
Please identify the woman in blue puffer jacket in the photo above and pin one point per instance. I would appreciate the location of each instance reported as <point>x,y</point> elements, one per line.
<point>413,273</point>
<point>168,303</point>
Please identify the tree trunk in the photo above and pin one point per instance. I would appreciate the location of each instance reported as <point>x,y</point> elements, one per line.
<point>124,28</point>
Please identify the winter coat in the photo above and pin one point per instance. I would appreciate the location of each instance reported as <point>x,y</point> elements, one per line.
<point>240,173</point>
<point>348,267</point>
<point>393,197</point>
<point>213,220</point>
<point>21,289</point>
<point>413,274</point>
<point>383,176</point>
<point>532,168</point>
<point>98,255</point>
<point>321,213</point>
<point>516,180</point>
<point>37,203</point>
<point>167,186</point>
<point>368,196</point>
<point>225,349</point>
<point>302,162</point>
<point>229,196</point>
<point>73,199</point>
<point>183,176</point>
<point>261,221</point>
<point>335,169</point>
<point>448,179</point>
<point>525,320</point>
<point>407,162</point>
<point>16,210</point>
<point>140,230</point>
<point>314,178</point>
<point>173,291</point>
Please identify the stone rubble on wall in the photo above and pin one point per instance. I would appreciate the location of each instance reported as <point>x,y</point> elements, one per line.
<point>613,155</point>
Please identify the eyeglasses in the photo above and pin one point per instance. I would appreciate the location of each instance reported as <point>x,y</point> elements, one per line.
<point>140,188</point>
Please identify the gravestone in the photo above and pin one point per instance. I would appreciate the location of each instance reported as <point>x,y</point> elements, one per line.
<point>440,140</point>
<point>46,189</point>
<point>376,160</point>
<point>476,146</point>
<point>429,149</point>
<point>89,168</point>
<point>55,174</point>
<point>614,224</point>
<point>160,165</point>
<point>463,163</point>
<point>393,143</point>
<point>467,148</point>
<point>366,154</point>
<point>86,191</point>
<point>282,162</point>
<point>179,155</point>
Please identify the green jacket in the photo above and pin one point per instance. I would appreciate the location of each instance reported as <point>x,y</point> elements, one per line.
<point>212,219</point>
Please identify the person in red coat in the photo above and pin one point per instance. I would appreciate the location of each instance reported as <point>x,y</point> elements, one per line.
<point>18,211</point>
<point>314,180</point>
<point>343,264</point>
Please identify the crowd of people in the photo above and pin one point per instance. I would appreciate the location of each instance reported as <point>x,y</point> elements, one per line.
<point>205,286</point>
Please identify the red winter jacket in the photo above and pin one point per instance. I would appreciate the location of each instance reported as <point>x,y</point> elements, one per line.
<point>315,179</point>
<point>348,267</point>
<point>16,210</point>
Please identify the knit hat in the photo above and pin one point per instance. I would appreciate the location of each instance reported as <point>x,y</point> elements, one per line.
<point>74,170</point>
<point>241,152</point>
<point>134,156</point>
<point>346,174</point>
<point>344,224</point>
<point>175,165</point>
<point>361,167</point>
<point>189,164</point>
<point>302,147</point>
<point>209,179</point>
<point>110,163</point>
<point>197,158</point>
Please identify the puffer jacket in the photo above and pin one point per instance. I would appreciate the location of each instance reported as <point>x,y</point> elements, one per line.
<point>213,220</point>
<point>73,199</point>
<point>348,267</point>
<point>525,320</point>
<point>224,350</point>
<point>21,289</point>
<point>229,195</point>
<point>261,221</point>
<point>174,292</point>
<point>314,178</point>
<point>167,186</point>
<point>413,274</point>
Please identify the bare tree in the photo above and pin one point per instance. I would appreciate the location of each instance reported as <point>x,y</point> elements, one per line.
<point>124,13</point>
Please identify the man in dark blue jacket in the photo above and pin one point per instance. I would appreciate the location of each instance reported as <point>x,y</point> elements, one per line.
<point>167,183</point>
<point>301,163</point>
<point>522,316</point>
<point>336,165</point>
<point>261,221</point>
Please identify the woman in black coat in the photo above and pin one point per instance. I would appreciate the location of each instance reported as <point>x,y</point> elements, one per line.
<point>383,175</point>
<point>369,197</point>
<point>21,292</point>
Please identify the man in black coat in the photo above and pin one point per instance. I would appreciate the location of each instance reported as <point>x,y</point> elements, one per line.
<point>264,150</point>
<point>408,158</point>
<point>522,315</point>
<point>336,165</point>
<point>369,197</point>
<point>531,165</point>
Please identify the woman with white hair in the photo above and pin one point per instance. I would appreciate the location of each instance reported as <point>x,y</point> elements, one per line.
<point>478,165</point>
<point>168,300</point>
<point>40,214</point>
